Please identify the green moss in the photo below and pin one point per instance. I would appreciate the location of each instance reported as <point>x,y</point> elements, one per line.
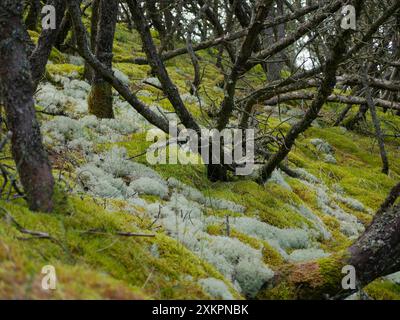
<point>282,291</point>
<point>330,269</point>
<point>150,198</point>
<point>34,35</point>
<point>215,230</point>
<point>271,257</point>
<point>338,241</point>
<point>64,69</point>
<point>57,57</point>
<point>308,280</point>
<point>109,266</point>
<point>383,290</point>
<point>134,72</point>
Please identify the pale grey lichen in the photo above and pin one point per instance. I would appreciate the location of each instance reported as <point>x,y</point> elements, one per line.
<point>216,288</point>
<point>302,255</point>
<point>278,178</point>
<point>322,146</point>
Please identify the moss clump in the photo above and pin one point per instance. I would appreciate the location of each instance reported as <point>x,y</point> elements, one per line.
<point>271,257</point>
<point>331,271</point>
<point>303,192</point>
<point>252,242</point>
<point>309,280</point>
<point>383,290</point>
<point>338,242</point>
<point>215,229</point>
<point>64,69</point>
<point>57,57</point>
<point>19,284</point>
<point>280,291</point>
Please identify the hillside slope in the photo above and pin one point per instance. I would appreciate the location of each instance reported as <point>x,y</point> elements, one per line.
<point>187,238</point>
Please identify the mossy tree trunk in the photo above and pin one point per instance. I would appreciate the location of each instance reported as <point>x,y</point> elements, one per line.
<point>100,99</point>
<point>16,89</point>
<point>375,254</point>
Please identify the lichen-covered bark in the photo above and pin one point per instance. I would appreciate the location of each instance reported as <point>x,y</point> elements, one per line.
<point>100,101</point>
<point>377,252</point>
<point>16,89</point>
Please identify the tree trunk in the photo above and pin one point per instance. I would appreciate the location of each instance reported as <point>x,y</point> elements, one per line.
<point>47,39</point>
<point>359,117</point>
<point>65,27</point>
<point>88,73</point>
<point>100,100</point>
<point>166,10</point>
<point>324,91</point>
<point>270,36</point>
<point>377,125</point>
<point>32,18</point>
<point>217,172</point>
<point>16,88</point>
<point>155,16</point>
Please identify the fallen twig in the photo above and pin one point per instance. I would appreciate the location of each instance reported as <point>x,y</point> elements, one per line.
<point>34,234</point>
<point>118,233</point>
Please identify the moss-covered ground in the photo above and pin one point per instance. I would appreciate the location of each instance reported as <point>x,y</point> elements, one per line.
<point>94,261</point>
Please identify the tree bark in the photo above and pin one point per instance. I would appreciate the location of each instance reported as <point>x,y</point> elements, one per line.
<point>47,40</point>
<point>270,36</point>
<point>359,117</point>
<point>32,18</point>
<point>390,200</point>
<point>16,88</point>
<point>155,15</point>
<point>94,21</point>
<point>377,125</point>
<point>158,67</point>
<point>100,99</point>
<point>65,27</point>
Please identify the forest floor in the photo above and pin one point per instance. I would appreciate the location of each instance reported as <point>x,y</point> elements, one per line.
<point>189,238</point>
